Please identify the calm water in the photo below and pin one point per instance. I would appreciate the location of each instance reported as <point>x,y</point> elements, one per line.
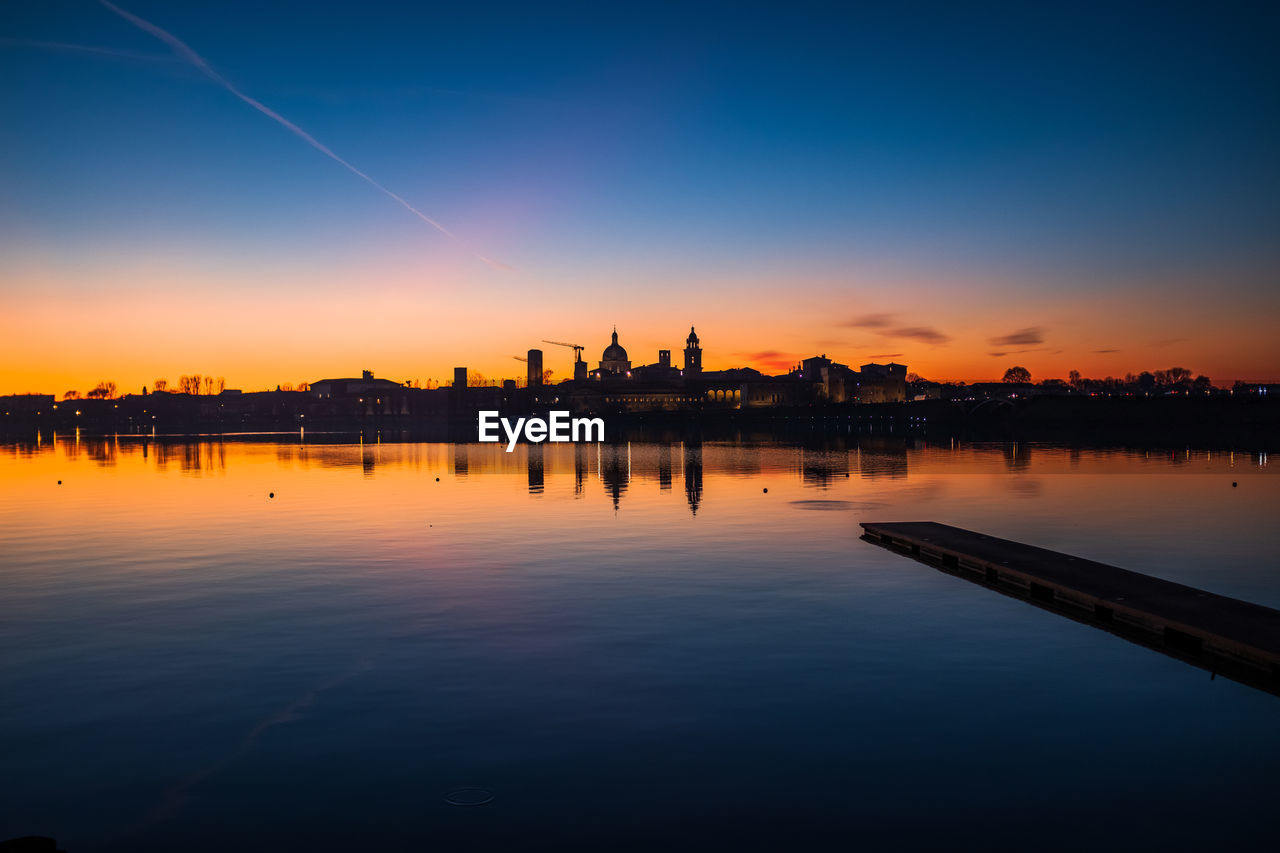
<point>630,647</point>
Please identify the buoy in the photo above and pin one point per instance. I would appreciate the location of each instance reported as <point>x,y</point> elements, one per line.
<point>766,491</point>
<point>60,483</point>
<point>1233,485</point>
<point>437,479</point>
<point>272,495</point>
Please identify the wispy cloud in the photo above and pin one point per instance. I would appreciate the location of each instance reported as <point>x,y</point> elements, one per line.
<point>924,334</point>
<point>870,321</point>
<point>885,326</point>
<point>1106,350</point>
<point>190,56</point>
<point>887,355</point>
<point>1022,337</point>
<point>773,359</point>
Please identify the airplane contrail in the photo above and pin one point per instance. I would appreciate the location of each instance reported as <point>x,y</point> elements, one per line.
<point>179,47</point>
<point>84,48</point>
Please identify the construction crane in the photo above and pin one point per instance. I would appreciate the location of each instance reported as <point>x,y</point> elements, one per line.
<point>577,348</point>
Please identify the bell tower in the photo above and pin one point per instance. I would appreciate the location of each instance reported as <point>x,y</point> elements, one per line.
<point>692,354</point>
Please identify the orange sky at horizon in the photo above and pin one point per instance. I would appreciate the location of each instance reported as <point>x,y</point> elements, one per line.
<point>67,328</point>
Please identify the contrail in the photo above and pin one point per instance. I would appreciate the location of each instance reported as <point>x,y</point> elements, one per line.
<point>197,60</point>
<point>85,48</point>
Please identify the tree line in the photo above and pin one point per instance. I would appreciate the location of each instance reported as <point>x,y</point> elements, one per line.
<point>193,384</point>
<point>1175,380</point>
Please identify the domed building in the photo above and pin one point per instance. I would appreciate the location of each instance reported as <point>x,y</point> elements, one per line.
<point>614,360</point>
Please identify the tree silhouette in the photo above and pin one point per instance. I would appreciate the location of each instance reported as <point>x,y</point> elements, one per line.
<point>1073,379</point>
<point>104,390</point>
<point>1017,374</point>
<point>160,385</point>
<point>71,395</point>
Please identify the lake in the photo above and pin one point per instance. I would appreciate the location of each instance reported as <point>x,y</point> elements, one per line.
<point>301,642</point>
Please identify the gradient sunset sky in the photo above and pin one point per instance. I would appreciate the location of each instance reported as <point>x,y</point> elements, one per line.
<point>956,187</point>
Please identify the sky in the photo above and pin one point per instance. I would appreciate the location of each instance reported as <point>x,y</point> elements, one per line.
<point>310,189</point>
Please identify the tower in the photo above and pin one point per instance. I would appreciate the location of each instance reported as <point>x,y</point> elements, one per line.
<point>692,354</point>
<point>535,368</point>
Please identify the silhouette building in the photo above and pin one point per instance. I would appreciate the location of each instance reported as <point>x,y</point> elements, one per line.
<point>692,354</point>
<point>614,360</point>
<point>535,368</point>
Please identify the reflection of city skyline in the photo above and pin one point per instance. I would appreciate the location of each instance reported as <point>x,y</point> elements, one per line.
<point>618,470</point>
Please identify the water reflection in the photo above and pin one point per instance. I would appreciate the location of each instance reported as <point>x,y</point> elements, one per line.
<point>579,469</point>
<point>618,467</point>
<point>882,457</point>
<point>821,468</point>
<point>1017,456</point>
<point>693,476</point>
<point>614,470</point>
<point>534,466</point>
<point>403,619</point>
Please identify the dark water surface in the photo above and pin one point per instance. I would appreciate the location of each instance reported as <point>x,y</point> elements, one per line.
<point>627,647</point>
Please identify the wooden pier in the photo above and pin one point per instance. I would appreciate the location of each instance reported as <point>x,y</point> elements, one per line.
<point>1225,636</point>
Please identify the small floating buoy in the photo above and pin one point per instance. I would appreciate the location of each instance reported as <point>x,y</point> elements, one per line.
<point>60,483</point>
<point>1233,485</point>
<point>766,491</point>
<point>437,479</point>
<point>271,495</point>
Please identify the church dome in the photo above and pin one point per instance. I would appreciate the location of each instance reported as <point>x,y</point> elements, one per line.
<point>614,352</point>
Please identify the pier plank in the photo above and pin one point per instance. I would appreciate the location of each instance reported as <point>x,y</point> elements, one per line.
<point>1191,622</point>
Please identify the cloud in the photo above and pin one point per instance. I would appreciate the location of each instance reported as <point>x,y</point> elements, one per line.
<point>870,321</point>
<point>887,355</point>
<point>924,334</point>
<point>190,56</point>
<point>883,322</point>
<point>1022,337</point>
<point>1106,350</point>
<point>770,358</point>
<point>997,354</point>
